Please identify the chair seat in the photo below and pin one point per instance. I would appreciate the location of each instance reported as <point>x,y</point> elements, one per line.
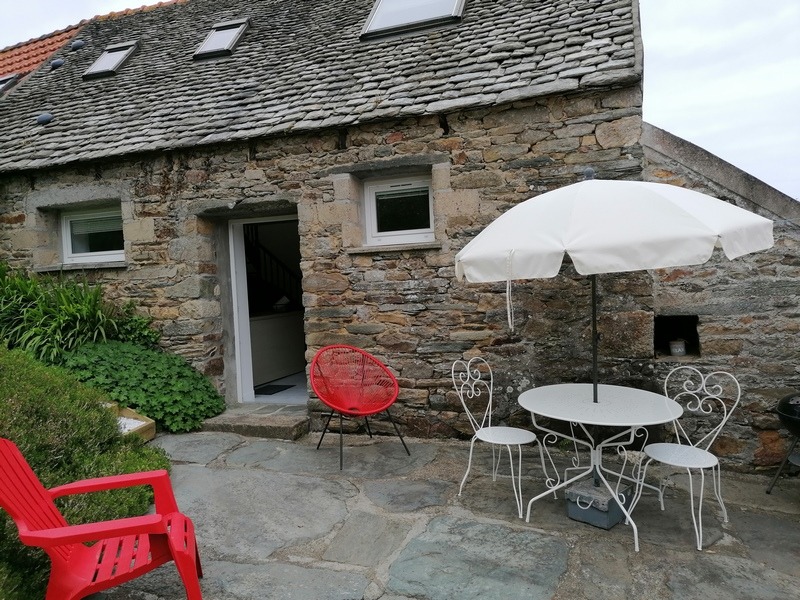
<point>681,455</point>
<point>114,559</point>
<point>507,436</point>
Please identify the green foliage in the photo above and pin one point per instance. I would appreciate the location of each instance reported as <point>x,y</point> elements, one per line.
<point>50,316</point>
<point>135,328</point>
<point>66,433</point>
<point>157,384</point>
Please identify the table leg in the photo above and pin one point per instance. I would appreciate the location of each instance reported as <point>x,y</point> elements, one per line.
<point>588,471</point>
<point>554,484</point>
<point>595,468</point>
<point>620,501</point>
<point>618,442</point>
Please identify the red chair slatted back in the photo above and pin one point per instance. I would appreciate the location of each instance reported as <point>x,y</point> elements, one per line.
<point>23,496</point>
<point>352,381</point>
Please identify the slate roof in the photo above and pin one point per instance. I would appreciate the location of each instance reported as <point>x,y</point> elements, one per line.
<point>22,58</point>
<point>300,67</point>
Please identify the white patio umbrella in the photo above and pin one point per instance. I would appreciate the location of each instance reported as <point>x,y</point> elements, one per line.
<point>609,226</point>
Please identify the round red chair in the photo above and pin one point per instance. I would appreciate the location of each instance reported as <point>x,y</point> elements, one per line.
<point>354,384</point>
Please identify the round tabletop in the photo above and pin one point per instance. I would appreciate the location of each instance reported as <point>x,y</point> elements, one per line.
<point>616,405</point>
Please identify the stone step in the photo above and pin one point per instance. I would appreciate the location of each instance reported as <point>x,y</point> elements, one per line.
<point>275,421</point>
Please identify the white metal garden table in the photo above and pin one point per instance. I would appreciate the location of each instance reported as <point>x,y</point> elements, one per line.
<point>617,406</point>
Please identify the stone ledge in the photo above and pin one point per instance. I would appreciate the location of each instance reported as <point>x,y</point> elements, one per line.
<point>264,421</point>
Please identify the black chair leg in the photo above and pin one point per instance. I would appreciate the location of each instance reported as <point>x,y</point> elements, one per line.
<point>324,429</point>
<point>400,435</point>
<point>341,443</point>
<point>366,421</point>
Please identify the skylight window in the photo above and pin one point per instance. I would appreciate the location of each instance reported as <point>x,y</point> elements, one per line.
<point>222,39</point>
<point>110,61</point>
<point>7,82</point>
<point>394,16</point>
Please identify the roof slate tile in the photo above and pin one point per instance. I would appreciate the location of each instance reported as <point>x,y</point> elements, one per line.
<point>301,67</point>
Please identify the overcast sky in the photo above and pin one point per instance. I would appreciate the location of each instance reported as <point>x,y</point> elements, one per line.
<point>723,74</point>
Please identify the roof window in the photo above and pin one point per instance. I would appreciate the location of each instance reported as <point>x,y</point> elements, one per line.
<point>222,39</point>
<point>111,60</point>
<point>7,82</point>
<point>395,16</point>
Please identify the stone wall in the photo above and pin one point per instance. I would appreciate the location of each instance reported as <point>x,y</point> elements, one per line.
<point>748,309</point>
<point>404,304</point>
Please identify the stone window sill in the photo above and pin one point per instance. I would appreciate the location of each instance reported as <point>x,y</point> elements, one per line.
<point>80,266</point>
<point>394,248</point>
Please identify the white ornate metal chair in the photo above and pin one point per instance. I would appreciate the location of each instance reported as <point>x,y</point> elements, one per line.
<point>473,382</point>
<point>708,402</point>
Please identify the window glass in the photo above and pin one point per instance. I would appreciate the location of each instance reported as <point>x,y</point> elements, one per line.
<point>398,211</point>
<point>389,15</point>
<point>93,236</point>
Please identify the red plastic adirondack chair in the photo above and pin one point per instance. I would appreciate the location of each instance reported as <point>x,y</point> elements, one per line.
<point>123,549</point>
<point>353,383</point>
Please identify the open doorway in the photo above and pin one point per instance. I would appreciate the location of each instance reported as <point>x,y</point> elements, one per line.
<point>269,311</point>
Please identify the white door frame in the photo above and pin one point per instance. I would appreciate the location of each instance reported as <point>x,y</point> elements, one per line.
<point>241,310</point>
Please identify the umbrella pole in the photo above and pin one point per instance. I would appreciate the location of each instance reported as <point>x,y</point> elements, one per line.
<point>594,336</point>
<point>595,475</point>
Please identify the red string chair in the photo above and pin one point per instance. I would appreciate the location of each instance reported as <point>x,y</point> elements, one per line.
<point>354,384</point>
<point>121,550</point>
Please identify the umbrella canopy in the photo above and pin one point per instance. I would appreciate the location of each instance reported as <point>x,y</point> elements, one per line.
<point>609,226</point>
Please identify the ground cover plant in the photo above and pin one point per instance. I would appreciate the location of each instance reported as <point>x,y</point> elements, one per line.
<point>66,432</point>
<point>155,383</point>
<point>66,322</point>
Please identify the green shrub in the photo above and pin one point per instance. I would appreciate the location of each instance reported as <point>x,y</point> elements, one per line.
<point>157,384</point>
<point>136,329</point>
<point>66,433</point>
<point>50,316</point>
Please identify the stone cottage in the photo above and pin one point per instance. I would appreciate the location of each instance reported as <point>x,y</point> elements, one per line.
<point>265,178</point>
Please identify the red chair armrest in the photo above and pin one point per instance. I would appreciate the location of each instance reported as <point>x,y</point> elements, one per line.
<point>158,480</point>
<point>90,532</point>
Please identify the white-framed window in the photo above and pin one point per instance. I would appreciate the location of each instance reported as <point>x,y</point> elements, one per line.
<point>398,211</point>
<point>222,39</point>
<point>92,236</point>
<point>110,60</point>
<point>393,16</point>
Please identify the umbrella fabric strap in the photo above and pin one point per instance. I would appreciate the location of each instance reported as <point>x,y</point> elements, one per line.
<point>509,305</point>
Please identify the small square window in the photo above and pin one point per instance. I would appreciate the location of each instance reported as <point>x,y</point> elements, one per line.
<point>222,39</point>
<point>92,236</point>
<point>398,211</point>
<point>392,16</point>
<point>111,60</point>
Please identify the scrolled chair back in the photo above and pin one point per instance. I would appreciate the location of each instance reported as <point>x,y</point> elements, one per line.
<point>473,382</point>
<point>708,402</point>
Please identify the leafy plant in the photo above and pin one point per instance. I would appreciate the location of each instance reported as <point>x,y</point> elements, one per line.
<point>66,433</point>
<point>51,316</point>
<point>136,329</point>
<point>157,384</point>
